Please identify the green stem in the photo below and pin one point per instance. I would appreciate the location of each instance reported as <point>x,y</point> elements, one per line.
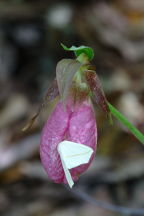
<point>123,120</point>
<point>83,58</point>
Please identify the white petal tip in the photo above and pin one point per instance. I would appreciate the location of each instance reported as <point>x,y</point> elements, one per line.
<point>71,185</point>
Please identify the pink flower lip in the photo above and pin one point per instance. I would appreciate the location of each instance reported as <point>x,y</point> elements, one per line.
<point>77,125</point>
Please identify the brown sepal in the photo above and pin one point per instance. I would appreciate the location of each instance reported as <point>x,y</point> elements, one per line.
<point>98,95</point>
<point>52,93</point>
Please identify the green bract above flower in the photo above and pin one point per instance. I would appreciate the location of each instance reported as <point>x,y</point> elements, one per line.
<point>79,50</point>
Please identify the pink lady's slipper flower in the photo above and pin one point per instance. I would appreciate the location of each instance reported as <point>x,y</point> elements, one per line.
<point>69,137</point>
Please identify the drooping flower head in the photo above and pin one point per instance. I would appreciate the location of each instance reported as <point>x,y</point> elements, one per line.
<point>69,137</point>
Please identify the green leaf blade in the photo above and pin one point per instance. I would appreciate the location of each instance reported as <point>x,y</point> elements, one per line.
<point>128,124</point>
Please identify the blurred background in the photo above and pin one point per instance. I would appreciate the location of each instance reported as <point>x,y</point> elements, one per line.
<point>30,35</point>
